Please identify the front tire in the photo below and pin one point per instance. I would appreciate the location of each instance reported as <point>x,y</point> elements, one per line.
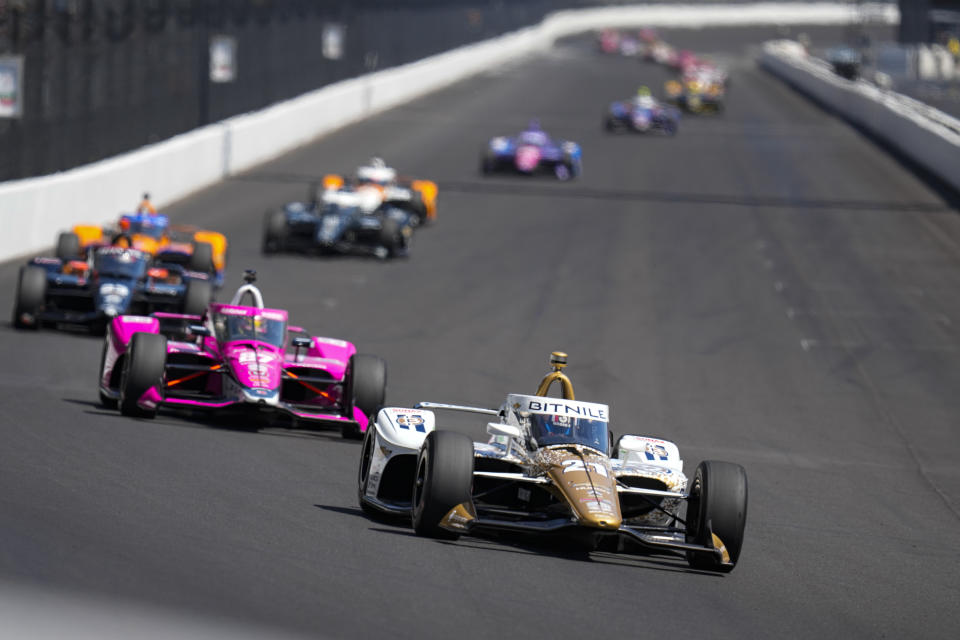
<point>31,292</point>
<point>718,505</point>
<point>363,473</point>
<point>142,370</point>
<point>68,246</point>
<point>391,236</point>
<point>443,480</point>
<point>366,390</point>
<point>274,231</point>
<point>105,400</point>
<point>197,297</point>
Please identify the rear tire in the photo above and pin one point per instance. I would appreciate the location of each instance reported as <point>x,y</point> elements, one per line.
<point>443,480</point>
<point>202,257</point>
<point>68,246</point>
<point>369,382</point>
<point>274,231</point>
<point>31,292</point>
<point>197,297</point>
<point>105,400</point>
<point>142,369</point>
<point>718,504</point>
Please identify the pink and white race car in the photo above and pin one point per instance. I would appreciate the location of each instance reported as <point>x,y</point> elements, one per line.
<point>242,357</point>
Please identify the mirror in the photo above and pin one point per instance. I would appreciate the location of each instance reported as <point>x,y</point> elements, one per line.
<point>301,342</point>
<point>198,330</point>
<point>499,429</point>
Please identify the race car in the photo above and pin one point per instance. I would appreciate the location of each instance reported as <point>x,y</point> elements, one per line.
<point>549,468</point>
<point>377,180</point>
<point>641,114</point>
<point>110,281</point>
<point>530,152</point>
<point>240,357</point>
<point>340,221</point>
<point>700,92</point>
<point>195,249</point>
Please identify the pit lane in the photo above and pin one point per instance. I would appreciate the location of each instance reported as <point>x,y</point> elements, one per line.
<point>766,288</point>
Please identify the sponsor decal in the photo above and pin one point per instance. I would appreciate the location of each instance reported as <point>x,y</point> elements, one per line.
<point>563,409</point>
<point>333,341</point>
<point>137,320</point>
<point>413,421</point>
<point>247,357</point>
<point>273,315</point>
<point>227,311</point>
<point>579,465</point>
<point>259,392</point>
<point>655,452</point>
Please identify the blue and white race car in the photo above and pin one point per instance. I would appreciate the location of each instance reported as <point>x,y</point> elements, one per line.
<point>341,220</point>
<point>642,114</point>
<point>530,152</point>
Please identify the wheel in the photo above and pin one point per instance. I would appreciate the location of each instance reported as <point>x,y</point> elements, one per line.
<point>391,236</point>
<point>31,292</point>
<point>197,297</point>
<point>274,231</point>
<point>202,257</point>
<point>418,208</point>
<point>670,127</point>
<point>105,400</point>
<point>368,378</point>
<point>443,480</point>
<point>68,246</point>
<point>363,473</point>
<point>487,164</point>
<point>717,504</point>
<point>142,370</point>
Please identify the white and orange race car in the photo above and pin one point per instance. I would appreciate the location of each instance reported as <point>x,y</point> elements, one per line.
<point>378,181</point>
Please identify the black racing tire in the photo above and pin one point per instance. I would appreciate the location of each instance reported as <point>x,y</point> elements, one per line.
<point>443,480</point>
<point>274,231</point>
<point>369,383</point>
<point>202,257</point>
<point>106,401</point>
<point>363,472</point>
<point>142,369</point>
<point>391,236</point>
<point>68,246</point>
<point>31,293</point>
<point>418,208</point>
<point>488,165</point>
<point>197,297</point>
<point>717,503</point>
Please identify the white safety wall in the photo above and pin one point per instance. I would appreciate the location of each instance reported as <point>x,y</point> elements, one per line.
<point>924,134</point>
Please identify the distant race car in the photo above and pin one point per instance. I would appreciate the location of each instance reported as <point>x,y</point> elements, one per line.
<point>641,114</point>
<point>531,152</point>
<point>110,281</point>
<point>242,357</point>
<point>701,92</point>
<point>416,196</point>
<point>341,220</point>
<point>152,233</point>
<point>549,468</point>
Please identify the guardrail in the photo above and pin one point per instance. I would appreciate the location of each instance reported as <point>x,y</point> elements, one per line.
<point>33,210</point>
<point>922,133</point>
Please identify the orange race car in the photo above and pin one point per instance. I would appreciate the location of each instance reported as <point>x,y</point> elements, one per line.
<point>195,249</point>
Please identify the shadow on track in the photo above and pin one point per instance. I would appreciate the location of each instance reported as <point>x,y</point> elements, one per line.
<point>557,546</point>
<point>517,186</point>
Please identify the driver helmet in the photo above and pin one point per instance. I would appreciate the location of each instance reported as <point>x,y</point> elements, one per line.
<point>376,171</point>
<point>644,97</point>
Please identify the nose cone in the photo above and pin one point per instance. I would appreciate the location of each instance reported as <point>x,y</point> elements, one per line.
<point>588,485</point>
<point>255,368</point>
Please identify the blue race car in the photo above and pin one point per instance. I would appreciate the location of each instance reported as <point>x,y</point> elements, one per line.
<point>530,152</point>
<point>342,220</point>
<point>111,281</point>
<point>641,114</point>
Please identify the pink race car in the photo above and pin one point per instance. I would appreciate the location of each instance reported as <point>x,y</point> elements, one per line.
<point>239,356</point>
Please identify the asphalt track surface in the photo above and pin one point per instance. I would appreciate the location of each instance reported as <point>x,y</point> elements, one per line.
<point>767,288</point>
